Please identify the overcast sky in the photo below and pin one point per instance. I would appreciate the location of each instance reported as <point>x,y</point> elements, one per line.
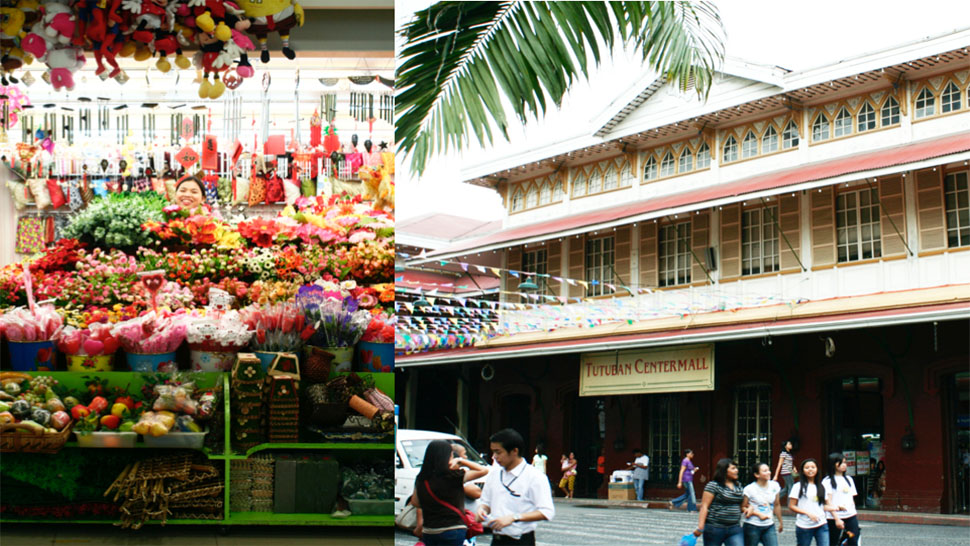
<point>793,35</point>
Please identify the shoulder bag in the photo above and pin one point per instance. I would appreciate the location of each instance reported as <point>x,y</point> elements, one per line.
<point>408,518</point>
<point>474,527</point>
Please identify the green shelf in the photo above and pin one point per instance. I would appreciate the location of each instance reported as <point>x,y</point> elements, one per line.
<point>270,518</point>
<point>342,446</point>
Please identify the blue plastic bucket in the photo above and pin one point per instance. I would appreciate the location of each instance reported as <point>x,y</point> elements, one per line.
<point>150,362</point>
<point>265,358</point>
<point>32,356</point>
<point>375,357</point>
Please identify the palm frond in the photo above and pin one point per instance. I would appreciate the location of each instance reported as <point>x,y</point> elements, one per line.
<point>464,63</point>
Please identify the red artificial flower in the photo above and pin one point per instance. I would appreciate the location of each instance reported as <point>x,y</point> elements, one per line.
<point>260,231</point>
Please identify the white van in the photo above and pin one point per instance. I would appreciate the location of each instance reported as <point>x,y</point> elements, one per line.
<point>409,455</point>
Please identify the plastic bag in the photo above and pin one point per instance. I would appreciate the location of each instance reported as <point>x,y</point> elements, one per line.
<point>688,540</point>
<point>176,398</point>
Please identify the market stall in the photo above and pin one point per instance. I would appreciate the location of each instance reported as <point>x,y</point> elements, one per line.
<point>219,358</point>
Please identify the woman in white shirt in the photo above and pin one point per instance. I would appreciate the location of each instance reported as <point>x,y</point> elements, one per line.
<point>807,500</point>
<point>760,503</point>
<point>839,492</point>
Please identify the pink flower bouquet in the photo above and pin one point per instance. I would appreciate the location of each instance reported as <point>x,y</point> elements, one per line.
<point>92,341</point>
<point>20,324</point>
<point>151,333</point>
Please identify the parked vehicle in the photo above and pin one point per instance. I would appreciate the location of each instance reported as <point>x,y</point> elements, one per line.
<point>409,455</point>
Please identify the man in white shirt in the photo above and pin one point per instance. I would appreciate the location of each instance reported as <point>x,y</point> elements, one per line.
<point>641,473</point>
<point>516,497</point>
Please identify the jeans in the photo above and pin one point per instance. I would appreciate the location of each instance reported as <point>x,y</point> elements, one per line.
<point>728,536</point>
<point>789,482</point>
<point>638,484</point>
<point>528,539</point>
<point>687,496</point>
<point>803,537</point>
<point>753,534</point>
<point>851,525</point>
<point>448,538</point>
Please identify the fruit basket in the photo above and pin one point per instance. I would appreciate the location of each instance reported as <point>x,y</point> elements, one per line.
<point>106,439</point>
<point>21,438</point>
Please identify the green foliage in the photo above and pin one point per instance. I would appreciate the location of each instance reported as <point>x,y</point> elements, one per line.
<point>462,59</point>
<point>57,473</point>
<point>115,221</point>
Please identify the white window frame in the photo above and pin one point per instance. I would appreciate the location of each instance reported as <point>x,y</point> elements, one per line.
<point>752,424</point>
<point>760,252</point>
<point>626,176</point>
<point>667,165</point>
<point>580,184</point>
<point>518,200</point>
<point>890,111</point>
<point>535,261</point>
<point>820,128</point>
<point>532,198</point>
<point>600,260</point>
<point>925,104</point>
<point>866,120</point>
<point>674,254</point>
<point>789,137</point>
<point>951,99</point>
<point>650,169</point>
<point>557,192</point>
<point>749,145</point>
<point>730,150</point>
<point>842,125</point>
<point>595,183</point>
<point>854,235</point>
<point>610,180</point>
<point>769,140</point>
<point>685,163</point>
<point>545,194</point>
<point>703,156</point>
<point>956,197</point>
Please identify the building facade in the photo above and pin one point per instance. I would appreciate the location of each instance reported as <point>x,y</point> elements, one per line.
<point>787,259</point>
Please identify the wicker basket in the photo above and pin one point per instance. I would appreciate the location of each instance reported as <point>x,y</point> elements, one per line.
<point>12,441</point>
<point>316,364</point>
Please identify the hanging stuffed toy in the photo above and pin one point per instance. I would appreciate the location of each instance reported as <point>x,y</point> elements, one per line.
<point>217,55</point>
<point>12,22</point>
<point>226,22</point>
<point>50,42</point>
<point>273,16</point>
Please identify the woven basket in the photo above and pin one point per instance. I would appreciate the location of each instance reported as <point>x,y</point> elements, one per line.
<point>12,441</point>
<point>316,364</point>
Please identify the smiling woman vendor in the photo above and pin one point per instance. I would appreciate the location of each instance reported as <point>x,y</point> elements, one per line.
<point>190,195</point>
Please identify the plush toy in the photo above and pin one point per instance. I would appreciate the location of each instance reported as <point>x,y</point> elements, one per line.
<point>12,22</point>
<point>216,56</point>
<point>50,42</point>
<point>273,16</point>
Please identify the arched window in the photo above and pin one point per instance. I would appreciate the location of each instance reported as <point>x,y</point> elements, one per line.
<point>703,156</point>
<point>925,104</point>
<point>820,129</point>
<point>626,176</point>
<point>517,201</point>
<point>532,198</point>
<point>650,169</point>
<point>789,137</point>
<point>610,181</point>
<point>843,123</point>
<point>557,192</point>
<point>950,100</point>
<point>544,194</point>
<point>579,184</point>
<point>769,141</point>
<point>595,183</point>
<point>730,150</point>
<point>749,146</point>
<point>867,118</point>
<point>890,112</point>
<point>686,162</point>
<point>667,165</point>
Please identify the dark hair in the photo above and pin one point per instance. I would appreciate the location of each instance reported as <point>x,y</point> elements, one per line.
<point>756,467</point>
<point>192,179</point>
<point>540,449</point>
<point>835,459</point>
<point>455,447</point>
<point>637,450</point>
<point>803,479</point>
<point>688,452</point>
<point>436,458</point>
<point>720,473</point>
<point>784,446</point>
<point>510,439</point>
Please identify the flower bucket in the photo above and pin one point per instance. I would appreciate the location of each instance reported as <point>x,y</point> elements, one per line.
<point>343,358</point>
<point>138,362</point>
<point>375,357</point>
<point>86,363</point>
<point>265,358</point>
<point>212,361</point>
<point>32,356</point>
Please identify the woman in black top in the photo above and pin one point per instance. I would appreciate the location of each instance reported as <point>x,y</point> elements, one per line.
<point>437,523</point>
<point>720,516</point>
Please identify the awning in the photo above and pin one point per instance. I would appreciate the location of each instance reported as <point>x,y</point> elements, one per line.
<point>878,163</point>
<point>725,332</point>
<point>446,284</point>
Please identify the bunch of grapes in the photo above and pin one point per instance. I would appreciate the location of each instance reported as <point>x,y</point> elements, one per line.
<point>38,388</point>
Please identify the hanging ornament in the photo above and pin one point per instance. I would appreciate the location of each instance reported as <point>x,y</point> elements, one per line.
<point>47,144</point>
<point>187,157</point>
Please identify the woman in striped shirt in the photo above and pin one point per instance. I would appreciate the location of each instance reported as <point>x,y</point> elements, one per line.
<point>720,516</point>
<point>785,465</point>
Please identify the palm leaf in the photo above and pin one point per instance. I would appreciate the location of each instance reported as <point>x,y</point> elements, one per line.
<point>465,63</point>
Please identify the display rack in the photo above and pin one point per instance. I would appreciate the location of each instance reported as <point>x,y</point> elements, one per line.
<point>383,381</point>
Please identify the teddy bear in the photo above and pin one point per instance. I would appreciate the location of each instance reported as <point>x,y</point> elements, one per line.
<point>11,56</point>
<point>273,16</point>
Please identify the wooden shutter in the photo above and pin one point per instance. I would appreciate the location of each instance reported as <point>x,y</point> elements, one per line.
<point>577,265</point>
<point>891,212</point>
<point>929,210</point>
<point>554,266</point>
<point>621,260</point>
<point>700,239</point>
<point>648,255</point>
<point>789,222</point>
<point>514,263</point>
<point>823,227</point>
<point>731,242</point>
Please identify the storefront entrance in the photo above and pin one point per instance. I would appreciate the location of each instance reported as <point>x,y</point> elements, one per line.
<point>957,416</point>
<point>855,428</point>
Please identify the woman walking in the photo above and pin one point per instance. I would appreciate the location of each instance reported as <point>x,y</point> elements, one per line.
<point>440,495</point>
<point>840,492</point>
<point>786,463</point>
<point>720,515</point>
<point>685,480</point>
<point>807,500</point>
<point>761,501</point>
